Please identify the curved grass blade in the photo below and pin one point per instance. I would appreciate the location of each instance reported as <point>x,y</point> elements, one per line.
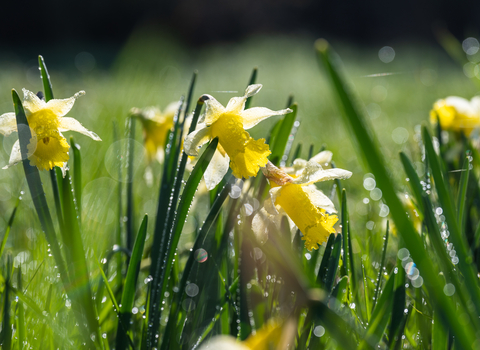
<point>9,227</point>
<point>345,270</point>
<point>128,296</point>
<point>163,270</point>
<point>20,312</point>
<point>253,79</point>
<point>36,189</point>
<point>281,139</point>
<point>199,241</point>
<point>370,153</point>
<point>462,196</point>
<point>333,263</point>
<point>323,270</point>
<point>6,335</point>
<point>382,265</point>
<point>77,174</point>
<point>129,214</point>
<point>414,181</point>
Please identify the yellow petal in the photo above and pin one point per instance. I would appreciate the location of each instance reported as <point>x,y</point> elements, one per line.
<point>266,337</point>
<point>48,151</point>
<point>315,224</point>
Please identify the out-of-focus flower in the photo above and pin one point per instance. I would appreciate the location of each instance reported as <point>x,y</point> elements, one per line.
<point>268,337</point>
<point>235,146</point>
<point>301,201</point>
<point>155,128</point>
<point>47,147</point>
<point>457,114</point>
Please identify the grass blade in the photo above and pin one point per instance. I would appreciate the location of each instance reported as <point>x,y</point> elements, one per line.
<point>6,335</point>
<point>129,214</point>
<point>382,265</point>
<point>333,263</point>
<point>370,153</point>
<point>462,196</point>
<point>77,174</point>
<point>20,313</point>
<point>253,79</point>
<point>47,84</point>
<point>9,227</point>
<point>128,296</point>
<point>322,271</point>
<point>281,139</point>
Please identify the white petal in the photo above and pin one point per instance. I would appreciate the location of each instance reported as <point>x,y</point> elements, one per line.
<point>74,125</point>
<point>299,165</point>
<point>196,139</point>
<point>313,172</point>
<point>62,107</point>
<point>216,170</point>
<point>319,199</point>
<point>213,109</point>
<point>255,115</point>
<point>31,102</point>
<point>222,342</point>
<point>64,169</point>
<point>237,104</point>
<point>260,224</point>
<point>8,123</point>
<point>322,157</point>
<point>269,203</point>
<point>15,155</point>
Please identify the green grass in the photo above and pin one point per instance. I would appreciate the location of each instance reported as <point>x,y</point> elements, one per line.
<point>92,269</point>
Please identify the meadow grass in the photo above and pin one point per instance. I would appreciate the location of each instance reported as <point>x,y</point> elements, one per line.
<point>159,264</point>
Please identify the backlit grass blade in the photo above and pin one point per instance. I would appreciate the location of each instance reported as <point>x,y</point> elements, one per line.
<point>6,335</point>
<point>80,288</point>
<point>253,79</point>
<point>199,242</point>
<point>165,263</point>
<point>345,269</point>
<point>333,263</point>
<point>48,302</point>
<point>366,294</point>
<point>130,210</point>
<point>20,312</point>
<point>462,196</point>
<point>128,296</point>
<point>36,189</point>
<point>414,181</point>
<point>77,174</point>
<point>281,138</point>
<point>323,270</point>
<point>382,265</point>
<point>9,227</point>
<point>464,257</point>
<point>47,84</point>
<point>370,153</point>
<point>439,333</point>
<point>398,310</point>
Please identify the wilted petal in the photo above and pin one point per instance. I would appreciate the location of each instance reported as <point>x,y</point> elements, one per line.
<point>213,110</point>
<point>8,123</point>
<point>196,139</point>
<point>314,173</point>
<point>255,115</point>
<point>237,104</point>
<point>15,155</point>
<point>72,124</point>
<point>318,198</point>
<point>62,107</point>
<point>216,169</point>
<point>31,102</point>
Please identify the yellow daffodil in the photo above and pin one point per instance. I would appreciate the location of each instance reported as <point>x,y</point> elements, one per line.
<point>301,201</point>
<point>235,146</point>
<point>155,128</point>
<point>47,147</point>
<point>457,114</point>
<point>266,338</point>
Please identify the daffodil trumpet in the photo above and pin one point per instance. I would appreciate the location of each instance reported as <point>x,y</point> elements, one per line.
<point>297,197</point>
<point>236,148</point>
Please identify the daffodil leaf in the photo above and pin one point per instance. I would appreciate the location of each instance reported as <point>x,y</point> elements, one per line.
<point>414,181</point>
<point>47,84</point>
<point>322,271</point>
<point>6,334</point>
<point>20,310</point>
<point>77,174</point>
<point>128,295</point>
<point>130,210</point>
<point>253,80</point>
<point>372,159</point>
<point>398,308</point>
<point>382,265</point>
<point>333,263</point>
<point>282,137</point>
<point>9,227</point>
<point>462,196</point>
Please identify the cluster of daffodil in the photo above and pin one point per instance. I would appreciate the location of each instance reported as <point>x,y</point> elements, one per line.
<point>457,114</point>
<point>47,147</point>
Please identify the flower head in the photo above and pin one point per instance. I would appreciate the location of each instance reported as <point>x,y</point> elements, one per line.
<point>235,146</point>
<point>457,114</point>
<point>156,125</point>
<point>301,201</point>
<point>47,147</point>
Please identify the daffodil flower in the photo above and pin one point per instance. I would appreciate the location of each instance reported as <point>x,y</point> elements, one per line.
<point>235,146</point>
<point>457,114</point>
<point>47,147</point>
<point>298,198</point>
<point>156,125</point>
<point>268,337</point>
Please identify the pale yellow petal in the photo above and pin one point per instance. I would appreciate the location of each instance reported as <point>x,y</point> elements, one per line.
<point>72,124</point>
<point>322,158</point>
<point>223,342</point>
<point>196,139</point>
<point>255,115</point>
<point>216,170</point>
<point>15,155</point>
<point>319,199</point>
<point>8,123</point>
<point>213,110</point>
<point>269,203</point>
<point>31,102</point>
<point>62,107</point>
<point>260,224</point>
<point>313,172</point>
